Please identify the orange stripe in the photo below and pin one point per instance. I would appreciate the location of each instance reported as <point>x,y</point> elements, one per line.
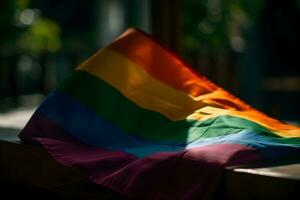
<point>159,63</point>
<point>168,68</point>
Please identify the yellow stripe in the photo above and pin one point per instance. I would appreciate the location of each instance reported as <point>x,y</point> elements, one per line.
<point>149,93</point>
<point>140,87</point>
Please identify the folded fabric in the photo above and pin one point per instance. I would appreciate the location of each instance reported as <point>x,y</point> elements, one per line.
<point>143,123</point>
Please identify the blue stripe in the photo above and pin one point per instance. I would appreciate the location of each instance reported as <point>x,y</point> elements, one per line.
<point>271,147</point>
<point>84,124</point>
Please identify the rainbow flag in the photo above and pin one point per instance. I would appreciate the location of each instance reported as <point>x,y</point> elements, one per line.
<point>141,122</point>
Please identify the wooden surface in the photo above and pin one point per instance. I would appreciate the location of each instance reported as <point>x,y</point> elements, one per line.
<point>262,183</point>
<point>290,171</point>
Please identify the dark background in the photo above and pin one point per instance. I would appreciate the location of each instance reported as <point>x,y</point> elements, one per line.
<point>250,48</point>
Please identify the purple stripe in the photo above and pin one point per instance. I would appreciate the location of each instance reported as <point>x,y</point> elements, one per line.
<point>188,174</point>
<point>96,161</point>
<point>40,126</point>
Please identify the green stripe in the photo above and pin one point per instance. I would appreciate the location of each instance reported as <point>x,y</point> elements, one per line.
<point>112,106</point>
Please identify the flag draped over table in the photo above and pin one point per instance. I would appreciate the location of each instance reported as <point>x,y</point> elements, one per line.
<point>142,123</point>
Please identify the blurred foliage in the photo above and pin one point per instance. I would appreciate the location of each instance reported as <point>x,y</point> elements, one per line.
<point>43,35</point>
<point>24,29</point>
<point>217,25</point>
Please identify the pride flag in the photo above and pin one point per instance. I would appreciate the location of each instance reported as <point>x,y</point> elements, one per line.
<point>139,121</point>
